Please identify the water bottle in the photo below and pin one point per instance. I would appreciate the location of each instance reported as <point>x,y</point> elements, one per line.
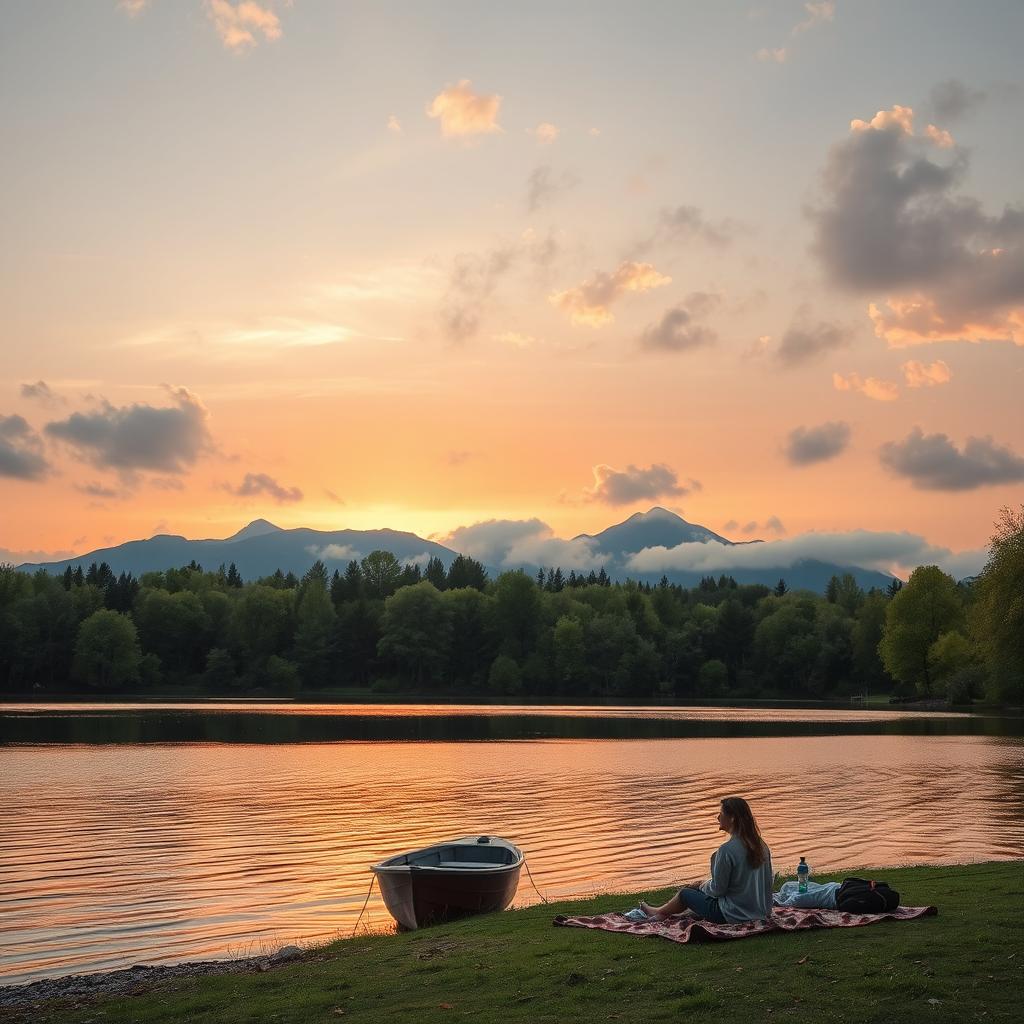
<point>802,871</point>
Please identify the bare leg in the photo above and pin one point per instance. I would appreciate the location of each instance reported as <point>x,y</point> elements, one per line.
<point>674,906</point>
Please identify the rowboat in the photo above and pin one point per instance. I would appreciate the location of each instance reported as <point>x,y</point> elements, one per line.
<point>472,875</point>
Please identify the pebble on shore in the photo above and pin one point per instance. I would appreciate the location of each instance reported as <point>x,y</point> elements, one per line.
<point>132,979</point>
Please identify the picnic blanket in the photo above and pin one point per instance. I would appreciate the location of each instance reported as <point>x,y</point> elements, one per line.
<point>687,927</point>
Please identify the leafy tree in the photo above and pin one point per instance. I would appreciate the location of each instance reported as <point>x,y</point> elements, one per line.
<point>107,654</point>
<point>261,624</point>
<point>998,613</point>
<point>948,657</point>
<point>315,629</point>
<point>220,672</point>
<point>516,613</point>
<point>359,630</point>
<point>415,632</point>
<point>868,626</point>
<point>610,638</point>
<point>504,676</point>
<point>833,663</point>
<point>928,606</point>
<point>234,577</point>
<point>713,679</point>
<point>279,676</point>
<point>785,646</point>
<point>780,588</point>
<point>570,654</point>
<point>472,639</point>
<point>381,571</point>
<point>218,608</point>
<point>641,669</point>
<point>174,627</point>
<point>734,635</point>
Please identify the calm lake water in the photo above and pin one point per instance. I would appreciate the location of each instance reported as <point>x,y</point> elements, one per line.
<point>148,833</point>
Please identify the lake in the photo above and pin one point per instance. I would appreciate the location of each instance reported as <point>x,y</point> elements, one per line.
<point>160,833</point>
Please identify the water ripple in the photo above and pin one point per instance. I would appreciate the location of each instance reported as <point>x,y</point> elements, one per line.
<point>156,853</point>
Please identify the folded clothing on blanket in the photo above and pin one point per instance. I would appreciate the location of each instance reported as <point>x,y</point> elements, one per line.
<point>818,896</point>
<point>687,927</point>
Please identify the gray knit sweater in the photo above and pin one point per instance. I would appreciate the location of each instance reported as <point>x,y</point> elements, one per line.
<point>744,893</point>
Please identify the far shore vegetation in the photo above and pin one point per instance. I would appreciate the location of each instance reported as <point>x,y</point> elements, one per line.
<point>383,628</point>
<point>963,965</point>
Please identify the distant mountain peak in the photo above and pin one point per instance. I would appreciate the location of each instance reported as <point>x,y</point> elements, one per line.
<point>655,513</point>
<point>257,528</point>
<point>657,527</point>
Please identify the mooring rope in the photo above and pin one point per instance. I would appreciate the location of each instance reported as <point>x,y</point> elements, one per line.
<point>543,898</point>
<point>367,900</point>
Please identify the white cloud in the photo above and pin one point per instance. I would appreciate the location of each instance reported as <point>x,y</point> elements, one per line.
<point>238,23</point>
<point>507,543</point>
<point>515,339</point>
<point>394,125</point>
<point>882,551</point>
<point>930,375</point>
<point>462,112</point>
<point>777,55</point>
<point>940,137</point>
<point>899,118</point>
<point>334,552</point>
<point>896,226</point>
<point>870,387</point>
<point>817,14</point>
<point>546,133</point>
<point>589,302</point>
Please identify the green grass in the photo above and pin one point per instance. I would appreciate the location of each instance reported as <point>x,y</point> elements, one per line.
<point>516,967</point>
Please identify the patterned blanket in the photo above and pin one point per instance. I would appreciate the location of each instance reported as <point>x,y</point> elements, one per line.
<point>686,927</point>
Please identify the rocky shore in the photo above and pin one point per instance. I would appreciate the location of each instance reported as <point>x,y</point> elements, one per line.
<point>132,980</point>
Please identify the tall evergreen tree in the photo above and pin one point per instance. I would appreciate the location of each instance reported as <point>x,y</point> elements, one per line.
<point>353,581</point>
<point>435,573</point>
<point>466,572</point>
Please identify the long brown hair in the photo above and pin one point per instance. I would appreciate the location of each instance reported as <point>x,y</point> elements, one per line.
<point>744,826</point>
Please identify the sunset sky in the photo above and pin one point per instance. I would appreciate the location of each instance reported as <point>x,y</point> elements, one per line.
<point>424,265</point>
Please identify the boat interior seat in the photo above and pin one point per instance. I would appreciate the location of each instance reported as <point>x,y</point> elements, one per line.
<point>468,864</point>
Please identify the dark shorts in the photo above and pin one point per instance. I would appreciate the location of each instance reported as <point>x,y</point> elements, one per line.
<point>702,905</point>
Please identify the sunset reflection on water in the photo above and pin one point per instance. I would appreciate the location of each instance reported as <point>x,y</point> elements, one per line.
<point>115,855</point>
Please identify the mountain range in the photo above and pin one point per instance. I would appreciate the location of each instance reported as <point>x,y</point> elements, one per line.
<point>261,547</point>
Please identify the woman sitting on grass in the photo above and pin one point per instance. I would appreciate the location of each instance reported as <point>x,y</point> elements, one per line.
<point>740,886</point>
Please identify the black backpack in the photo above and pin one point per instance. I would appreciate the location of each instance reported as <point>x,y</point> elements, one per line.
<point>860,896</point>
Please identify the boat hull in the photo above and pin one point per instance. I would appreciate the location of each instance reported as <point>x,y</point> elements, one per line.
<point>418,895</point>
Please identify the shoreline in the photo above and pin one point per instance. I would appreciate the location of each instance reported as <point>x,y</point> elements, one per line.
<point>941,884</point>
<point>129,980</point>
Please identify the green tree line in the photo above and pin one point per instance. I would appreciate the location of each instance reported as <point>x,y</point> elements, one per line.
<point>384,627</point>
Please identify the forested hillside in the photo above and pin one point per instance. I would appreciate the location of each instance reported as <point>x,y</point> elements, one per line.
<point>384,627</point>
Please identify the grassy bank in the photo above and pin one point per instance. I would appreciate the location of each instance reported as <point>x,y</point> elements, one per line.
<point>966,964</point>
